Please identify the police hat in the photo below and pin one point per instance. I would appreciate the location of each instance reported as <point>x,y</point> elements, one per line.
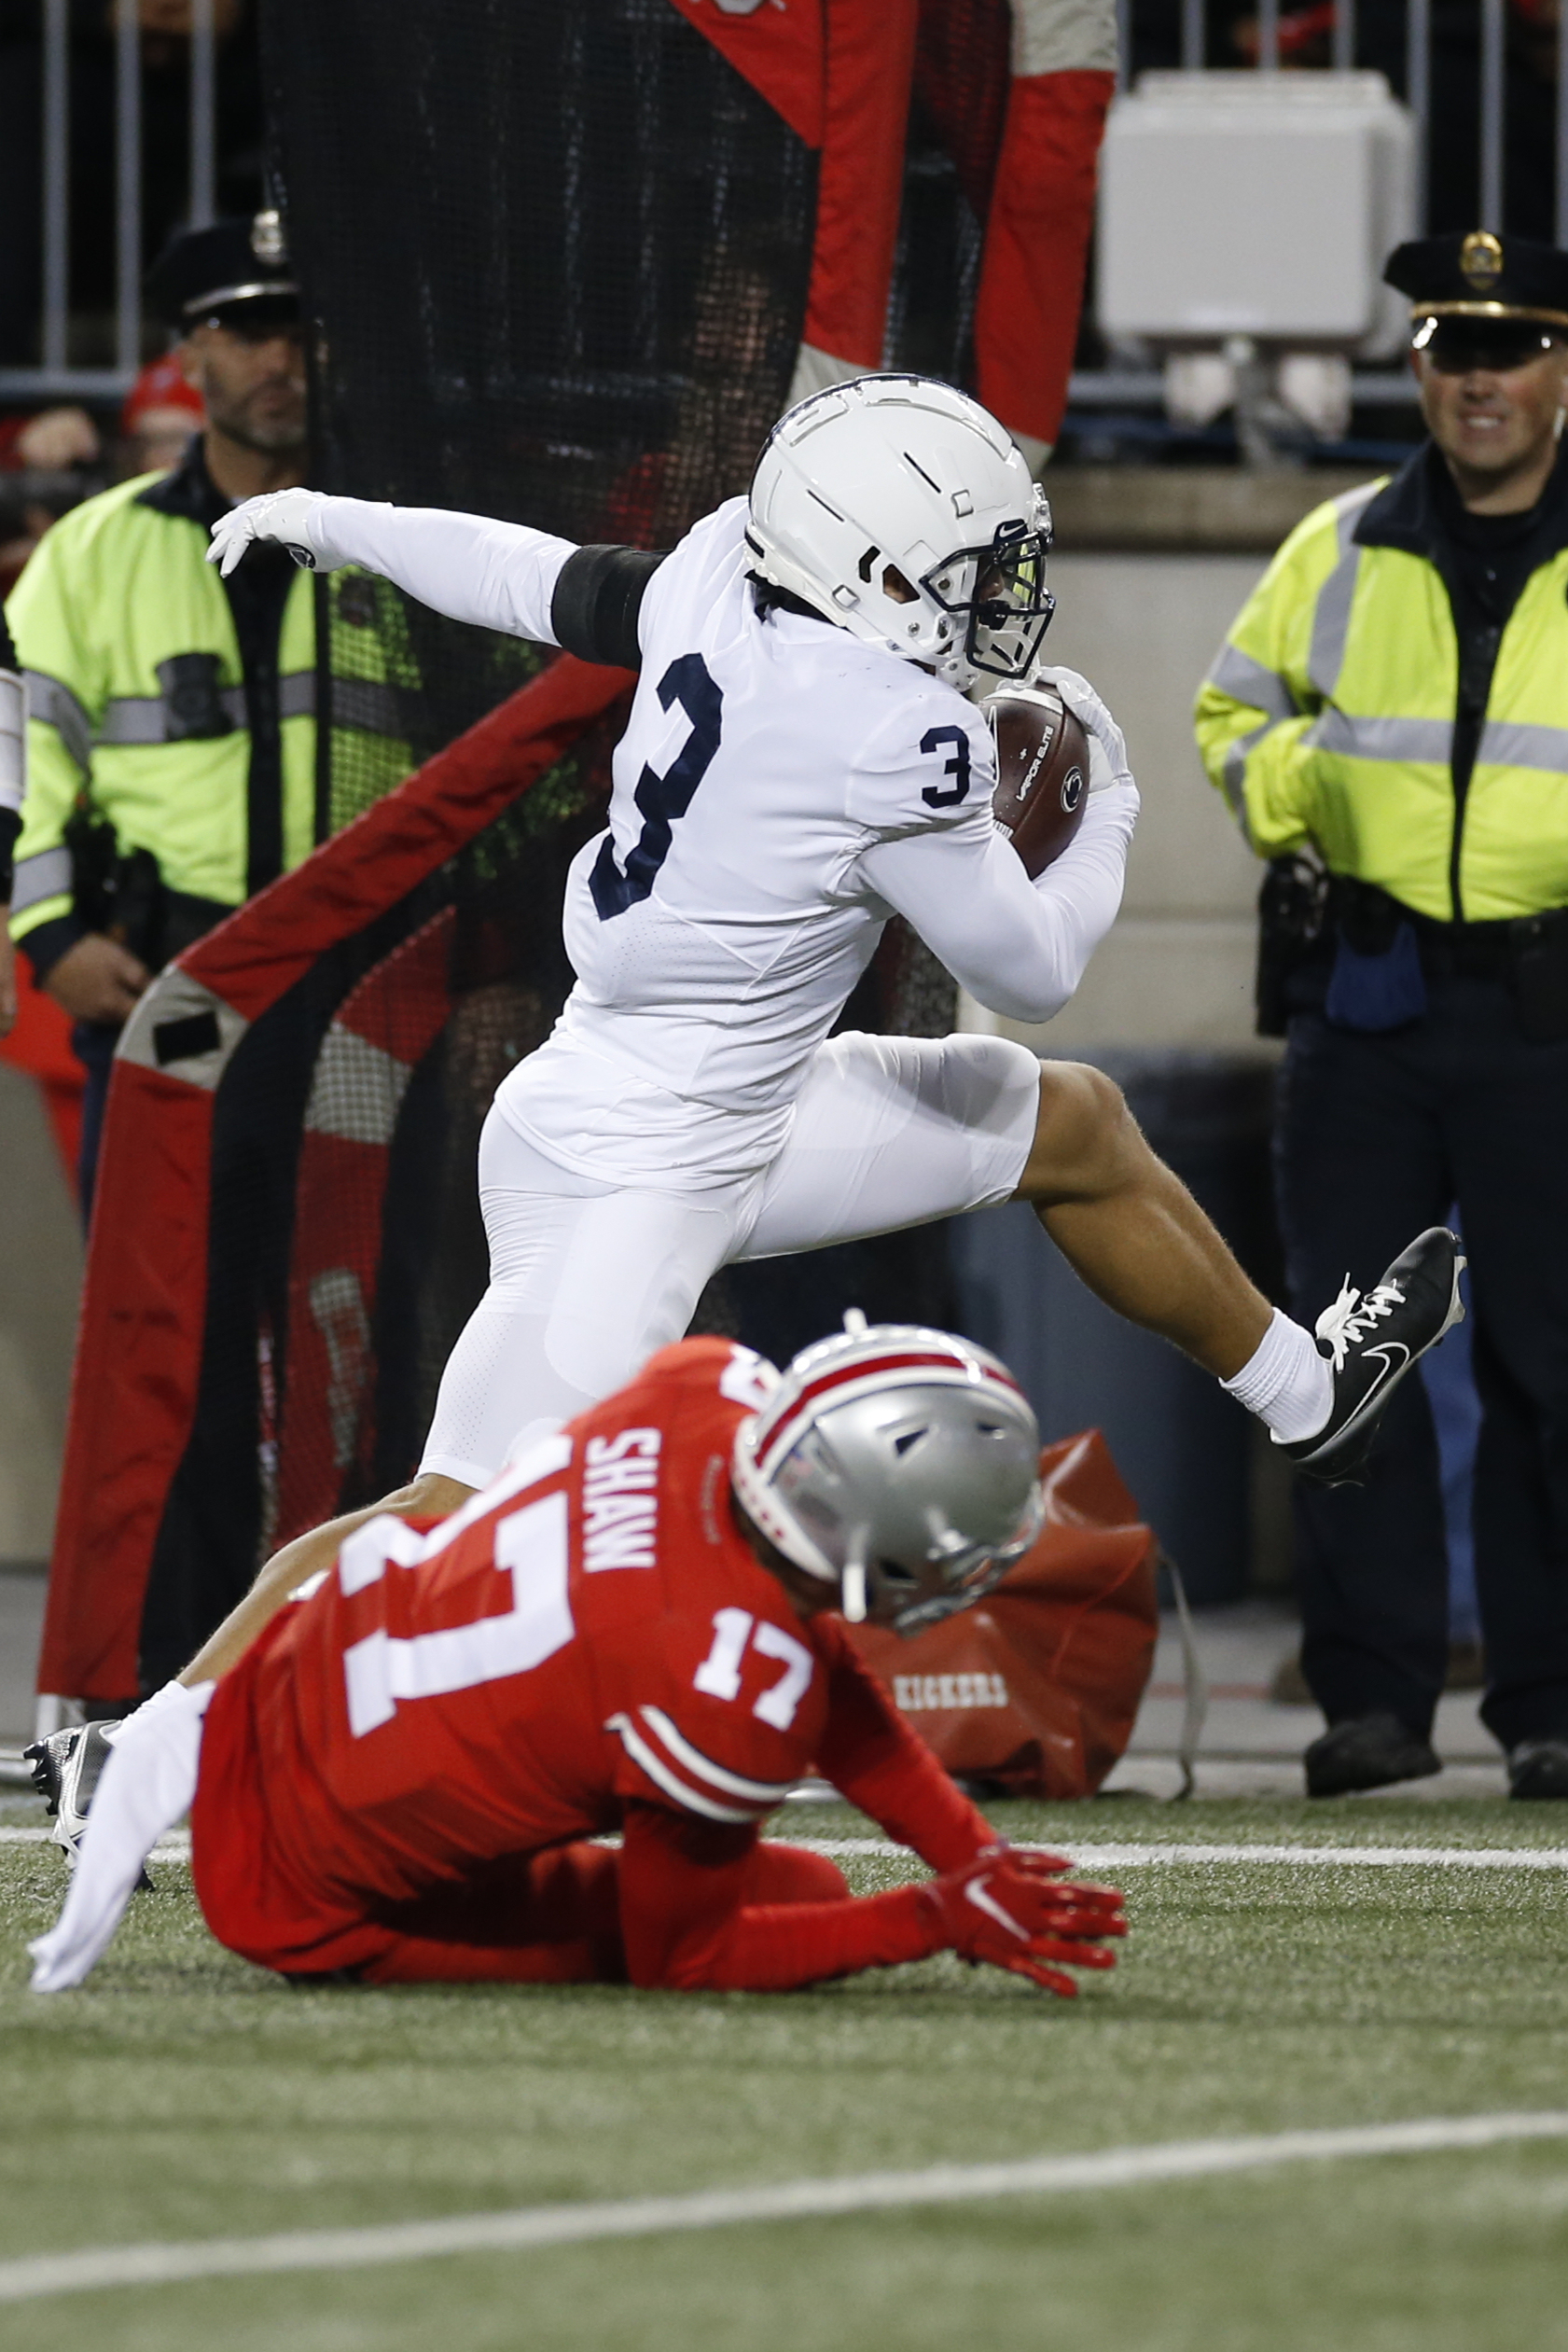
<point>1480,276</point>
<point>221,271</point>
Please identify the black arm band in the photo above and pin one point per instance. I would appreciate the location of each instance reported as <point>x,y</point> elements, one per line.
<point>10,826</point>
<point>8,651</point>
<point>598,596</point>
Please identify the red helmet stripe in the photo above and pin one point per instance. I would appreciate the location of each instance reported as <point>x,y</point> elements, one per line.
<point>791,1407</point>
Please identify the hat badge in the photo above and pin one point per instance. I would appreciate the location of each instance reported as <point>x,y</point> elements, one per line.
<point>266,238</point>
<point>1481,260</point>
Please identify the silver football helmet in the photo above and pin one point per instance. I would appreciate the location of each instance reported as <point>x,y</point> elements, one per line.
<point>897,1464</point>
<point>900,508</point>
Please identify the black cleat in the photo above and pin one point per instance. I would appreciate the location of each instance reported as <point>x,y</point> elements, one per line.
<point>1366,1751</point>
<point>1538,1768</point>
<point>1372,1339</point>
<point>66,1769</point>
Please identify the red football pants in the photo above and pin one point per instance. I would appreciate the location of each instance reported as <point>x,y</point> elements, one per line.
<point>554,1918</point>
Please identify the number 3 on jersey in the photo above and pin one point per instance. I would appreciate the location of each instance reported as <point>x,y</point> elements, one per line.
<point>719,1675</point>
<point>662,798</point>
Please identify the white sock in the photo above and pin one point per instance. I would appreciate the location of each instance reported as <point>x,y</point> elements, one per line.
<point>1287,1383</point>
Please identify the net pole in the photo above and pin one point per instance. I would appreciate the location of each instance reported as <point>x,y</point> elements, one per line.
<point>1417,92</point>
<point>1491,204</point>
<point>203,176</point>
<point>127,187</point>
<point>57,181</point>
<point>1192,36</point>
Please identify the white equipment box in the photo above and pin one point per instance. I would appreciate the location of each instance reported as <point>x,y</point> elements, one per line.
<point>1257,204</point>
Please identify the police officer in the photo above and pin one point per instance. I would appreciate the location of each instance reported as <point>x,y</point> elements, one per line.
<point>173,766</point>
<point>1389,719</point>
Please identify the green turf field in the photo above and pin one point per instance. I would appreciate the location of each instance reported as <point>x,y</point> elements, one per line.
<point>183,2095</point>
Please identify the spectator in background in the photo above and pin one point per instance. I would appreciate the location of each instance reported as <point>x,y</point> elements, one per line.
<point>44,472</point>
<point>162,409</point>
<point>50,442</point>
<point>1395,697</point>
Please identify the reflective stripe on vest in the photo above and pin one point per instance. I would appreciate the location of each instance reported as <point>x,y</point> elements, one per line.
<point>47,876</point>
<point>1508,743</point>
<point>1331,618</point>
<point>1414,742</point>
<point>360,702</point>
<point>1236,673</point>
<point>145,718</point>
<point>53,702</point>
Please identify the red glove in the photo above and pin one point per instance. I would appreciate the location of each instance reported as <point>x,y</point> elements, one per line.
<point>1017,1912</point>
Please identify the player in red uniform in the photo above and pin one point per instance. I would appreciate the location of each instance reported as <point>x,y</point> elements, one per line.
<point>634,1628</point>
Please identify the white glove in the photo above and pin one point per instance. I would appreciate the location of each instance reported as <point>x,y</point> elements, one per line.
<point>147,1781</point>
<point>1107,745</point>
<point>294,518</point>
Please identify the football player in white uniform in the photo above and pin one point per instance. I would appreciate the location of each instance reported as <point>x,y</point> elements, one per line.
<point>800,763</point>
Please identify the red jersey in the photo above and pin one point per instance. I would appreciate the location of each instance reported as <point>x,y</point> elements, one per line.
<point>591,1635</point>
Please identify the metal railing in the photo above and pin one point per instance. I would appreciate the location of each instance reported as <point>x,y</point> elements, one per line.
<point>57,379</point>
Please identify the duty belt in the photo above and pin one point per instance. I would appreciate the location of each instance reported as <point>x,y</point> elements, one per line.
<point>1368,917</point>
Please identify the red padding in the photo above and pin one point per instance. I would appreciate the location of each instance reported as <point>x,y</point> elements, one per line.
<point>1036,249</point>
<point>139,1340</point>
<point>1038,1685</point>
<point>870,66</point>
<point>779,51</point>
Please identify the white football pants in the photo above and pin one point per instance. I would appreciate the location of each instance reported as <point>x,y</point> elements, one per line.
<point>587,1280</point>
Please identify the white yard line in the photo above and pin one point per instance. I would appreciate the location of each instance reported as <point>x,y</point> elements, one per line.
<point>176,1847</point>
<point>95,2267</point>
<point>1121,1858</point>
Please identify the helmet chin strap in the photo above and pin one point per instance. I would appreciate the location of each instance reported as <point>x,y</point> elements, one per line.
<point>852,1592</point>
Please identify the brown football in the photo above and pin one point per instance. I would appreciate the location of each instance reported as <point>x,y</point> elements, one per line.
<point>1041,772</point>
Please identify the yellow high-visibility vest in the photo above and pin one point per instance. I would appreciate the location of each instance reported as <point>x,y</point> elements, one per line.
<point>113,595</point>
<point>1329,719</point>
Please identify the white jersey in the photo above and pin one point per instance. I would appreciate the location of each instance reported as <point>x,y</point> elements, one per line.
<point>781,790</point>
<point>718,926</point>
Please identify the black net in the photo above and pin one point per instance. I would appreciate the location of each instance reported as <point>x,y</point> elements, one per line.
<point>960,104</point>
<point>554,264</point>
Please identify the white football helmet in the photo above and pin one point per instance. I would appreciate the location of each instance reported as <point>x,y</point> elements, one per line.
<point>899,1464</point>
<point>901,509</point>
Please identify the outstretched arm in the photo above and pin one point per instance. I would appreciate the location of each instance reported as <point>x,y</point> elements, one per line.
<point>498,575</point>
<point>687,1924</point>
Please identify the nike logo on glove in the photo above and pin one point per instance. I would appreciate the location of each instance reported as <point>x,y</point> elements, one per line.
<point>975,1893</point>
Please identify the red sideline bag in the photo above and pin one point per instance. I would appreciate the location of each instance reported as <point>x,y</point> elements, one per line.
<point>1037,1686</point>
